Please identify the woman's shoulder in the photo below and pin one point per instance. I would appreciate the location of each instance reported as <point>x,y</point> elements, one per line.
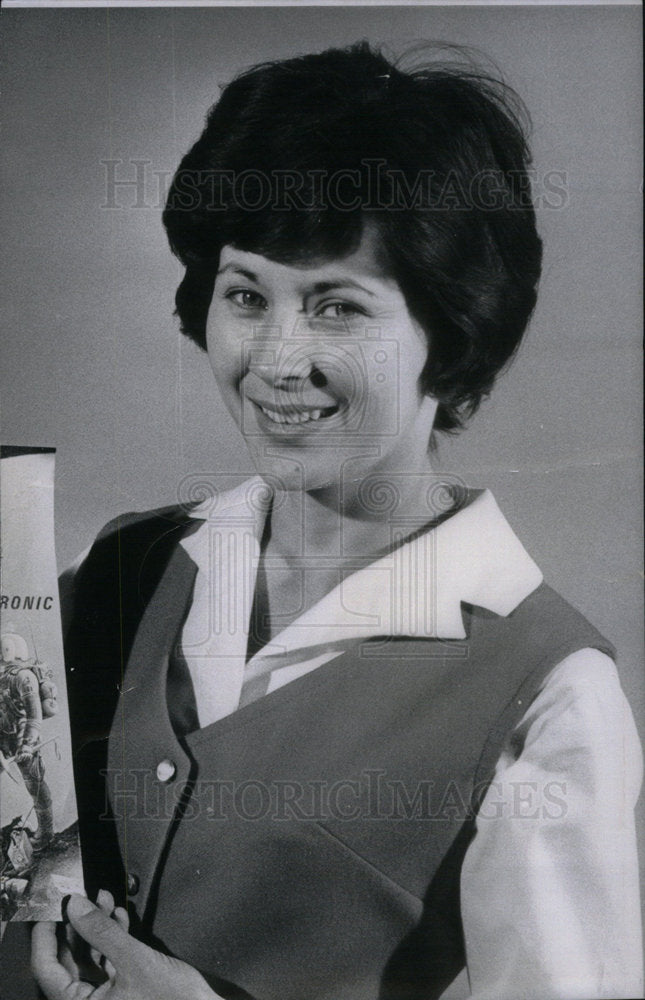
<point>119,550</point>
<point>156,519</point>
<point>205,501</point>
<point>580,724</point>
<point>133,528</point>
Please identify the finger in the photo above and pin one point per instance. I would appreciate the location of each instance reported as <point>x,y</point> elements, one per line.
<point>67,938</point>
<point>71,937</point>
<point>104,992</point>
<point>80,991</point>
<point>103,933</point>
<point>74,989</point>
<point>74,955</point>
<point>50,975</point>
<point>105,902</point>
<point>110,971</point>
<point>122,918</point>
<point>67,960</point>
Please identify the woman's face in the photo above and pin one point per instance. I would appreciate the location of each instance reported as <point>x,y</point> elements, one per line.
<point>320,367</point>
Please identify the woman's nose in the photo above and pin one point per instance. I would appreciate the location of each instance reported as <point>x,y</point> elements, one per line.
<point>278,373</point>
<point>282,357</point>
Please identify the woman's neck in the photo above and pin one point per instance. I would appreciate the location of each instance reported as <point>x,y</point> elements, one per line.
<point>361,521</point>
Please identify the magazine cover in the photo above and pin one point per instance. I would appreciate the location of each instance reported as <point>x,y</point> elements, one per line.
<point>41,861</point>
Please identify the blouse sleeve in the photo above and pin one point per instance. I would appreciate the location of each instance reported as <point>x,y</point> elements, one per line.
<point>550,900</point>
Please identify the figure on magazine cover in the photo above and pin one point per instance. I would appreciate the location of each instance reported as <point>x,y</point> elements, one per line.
<point>26,696</point>
<point>336,737</point>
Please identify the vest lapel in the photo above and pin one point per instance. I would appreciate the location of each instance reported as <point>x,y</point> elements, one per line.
<point>142,736</point>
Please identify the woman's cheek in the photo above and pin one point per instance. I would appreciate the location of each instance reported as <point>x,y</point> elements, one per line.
<point>226,353</point>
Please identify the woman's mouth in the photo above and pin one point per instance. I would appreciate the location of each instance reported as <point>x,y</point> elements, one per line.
<point>298,416</point>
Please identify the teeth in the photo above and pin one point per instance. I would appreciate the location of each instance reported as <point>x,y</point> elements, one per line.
<point>302,417</point>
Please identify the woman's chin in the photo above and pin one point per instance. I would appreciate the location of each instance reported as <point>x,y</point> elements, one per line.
<point>290,475</point>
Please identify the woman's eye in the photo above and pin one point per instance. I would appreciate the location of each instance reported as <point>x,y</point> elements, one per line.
<point>339,310</point>
<point>246,299</point>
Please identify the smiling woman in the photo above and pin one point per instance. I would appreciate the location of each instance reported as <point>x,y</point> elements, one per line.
<point>361,744</point>
<point>294,366</point>
<point>297,157</point>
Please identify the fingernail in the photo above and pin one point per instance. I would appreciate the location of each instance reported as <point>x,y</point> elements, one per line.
<point>63,907</point>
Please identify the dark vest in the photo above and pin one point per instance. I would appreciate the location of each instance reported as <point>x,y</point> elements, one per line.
<point>308,846</point>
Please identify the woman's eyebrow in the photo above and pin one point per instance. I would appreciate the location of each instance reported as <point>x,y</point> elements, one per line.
<point>238,270</point>
<point>318,288</point>
<point>329,286</point>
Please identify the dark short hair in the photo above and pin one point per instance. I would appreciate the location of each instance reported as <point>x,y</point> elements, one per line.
<point>297,154</point>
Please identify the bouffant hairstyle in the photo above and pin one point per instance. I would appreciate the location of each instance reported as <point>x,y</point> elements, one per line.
<point>298,154</point>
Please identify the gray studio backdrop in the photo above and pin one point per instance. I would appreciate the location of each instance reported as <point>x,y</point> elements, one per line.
<point>92,360</point>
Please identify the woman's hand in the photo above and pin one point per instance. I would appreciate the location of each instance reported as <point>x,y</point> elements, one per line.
<point>133,970</point>
<point>76,956</point>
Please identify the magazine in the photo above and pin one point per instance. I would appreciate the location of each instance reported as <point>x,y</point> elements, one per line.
<point>41,861</point>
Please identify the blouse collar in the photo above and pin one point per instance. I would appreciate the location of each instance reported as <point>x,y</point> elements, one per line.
<point>473,557</point>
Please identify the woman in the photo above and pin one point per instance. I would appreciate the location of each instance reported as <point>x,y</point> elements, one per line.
<point>354,741</point>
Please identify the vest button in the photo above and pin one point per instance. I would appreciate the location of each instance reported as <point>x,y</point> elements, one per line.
<point>166,770</point>
<point>133,884</point>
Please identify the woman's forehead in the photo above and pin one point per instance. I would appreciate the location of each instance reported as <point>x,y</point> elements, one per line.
<point>364,266</point>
